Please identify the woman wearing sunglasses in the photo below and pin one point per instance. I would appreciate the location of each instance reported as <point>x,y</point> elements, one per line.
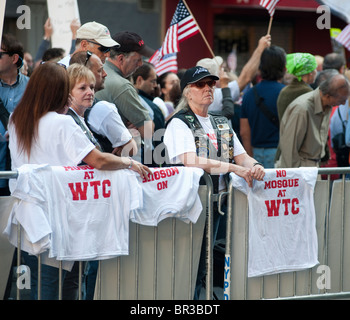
<point>196,139</point>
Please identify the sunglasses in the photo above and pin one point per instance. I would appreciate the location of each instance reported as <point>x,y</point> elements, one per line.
<point>2,53</point>
<point>58,63</point>
<point>88,56</point>
<point>202,84</point>
<point>103,49</point>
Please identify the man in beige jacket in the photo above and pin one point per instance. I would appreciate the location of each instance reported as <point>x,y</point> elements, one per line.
<point>304,125</point>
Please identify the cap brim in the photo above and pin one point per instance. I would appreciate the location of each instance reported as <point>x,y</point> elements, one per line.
<point>205,76</point>
<point>183,85</point>
<point>147,51</point>
<point>109,43</point>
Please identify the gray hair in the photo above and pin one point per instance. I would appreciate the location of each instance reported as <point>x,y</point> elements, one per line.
<point>331,86</point>
<point>183,103</point>
<point>325,74</point>
<point>114,53</point>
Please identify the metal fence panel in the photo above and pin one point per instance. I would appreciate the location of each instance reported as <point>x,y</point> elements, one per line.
<point>162,262</point>
<point>333,230</point>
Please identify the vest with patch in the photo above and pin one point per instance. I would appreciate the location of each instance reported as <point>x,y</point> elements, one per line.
<point>204,147</point>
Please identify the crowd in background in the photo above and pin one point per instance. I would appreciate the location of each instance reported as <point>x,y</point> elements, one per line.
<point>286,110</point>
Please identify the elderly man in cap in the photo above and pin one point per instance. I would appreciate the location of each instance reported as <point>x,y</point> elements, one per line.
<point>93,37</point>
<point>121,64</point>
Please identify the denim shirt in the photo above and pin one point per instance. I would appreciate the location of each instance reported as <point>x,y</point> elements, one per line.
<point>10,95</point>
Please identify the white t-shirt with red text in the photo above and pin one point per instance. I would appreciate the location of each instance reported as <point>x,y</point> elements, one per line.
<point>282,221</point>
<point>169,192</point>
<point>84,212</point>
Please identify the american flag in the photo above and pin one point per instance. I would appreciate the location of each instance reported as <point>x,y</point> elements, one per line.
<point>167,63</point>
<point>344,37</point>
<point>182,27</point>
<point>270,5</point>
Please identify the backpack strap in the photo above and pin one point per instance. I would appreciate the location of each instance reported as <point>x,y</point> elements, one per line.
<point>85,129</point>
<point>105,144</point>
<point>4,118</point>
<point>259,101</point>
<point>4,115</point>
<point>341,119</point>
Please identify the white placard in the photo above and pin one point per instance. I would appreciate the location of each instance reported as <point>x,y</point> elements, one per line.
<point>61,14</point>
<point>2,17</point>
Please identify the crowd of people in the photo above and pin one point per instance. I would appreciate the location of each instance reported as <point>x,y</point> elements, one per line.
<point>104,105</point>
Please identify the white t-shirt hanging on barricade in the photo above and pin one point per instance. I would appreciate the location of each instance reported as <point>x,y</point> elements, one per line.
<point>282,221</point>
<point>170,192</point>
<point>88,210</point>
<point>29,211</point>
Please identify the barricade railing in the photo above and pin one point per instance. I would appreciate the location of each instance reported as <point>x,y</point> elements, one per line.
<point>333,222</point>
<point>331,281</point>
<point>134,260</point>
<point>162,261</point>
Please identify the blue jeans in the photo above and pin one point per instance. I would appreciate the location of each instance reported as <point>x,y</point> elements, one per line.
<point>266,156</point>
<point>50,280</point>
<point>90,279</point>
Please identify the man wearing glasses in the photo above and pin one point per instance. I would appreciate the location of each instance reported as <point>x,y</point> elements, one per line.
<point>12,86</point>
<point>93,37</point>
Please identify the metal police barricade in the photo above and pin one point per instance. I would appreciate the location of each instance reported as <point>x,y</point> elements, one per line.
<point>164,258</point>
<point>163,261</point>
<point>327,280</point>
<point>6,249</point>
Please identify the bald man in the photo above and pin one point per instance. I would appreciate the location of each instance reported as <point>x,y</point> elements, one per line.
<point>304,125</point>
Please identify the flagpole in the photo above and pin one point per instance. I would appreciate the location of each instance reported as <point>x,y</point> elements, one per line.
<point>200,30</point>
<point>270,24</point>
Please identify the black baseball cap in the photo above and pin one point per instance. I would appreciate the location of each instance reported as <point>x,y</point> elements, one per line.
<point>195,74</point>
<point>131,41</point>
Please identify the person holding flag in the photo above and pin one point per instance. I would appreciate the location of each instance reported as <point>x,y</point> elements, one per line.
<point>270,5</point>
<point>182,27</point>
<point>344,37</point>
<point>247,74</point>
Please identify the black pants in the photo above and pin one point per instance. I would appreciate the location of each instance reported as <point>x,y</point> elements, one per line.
<point>5,191</point>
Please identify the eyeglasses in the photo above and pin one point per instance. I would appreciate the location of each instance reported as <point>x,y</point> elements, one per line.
<point>2,53</point>
<point>103,49</point>
<point>88,56</point>
<point>202,84</point>
<point>62,65</point>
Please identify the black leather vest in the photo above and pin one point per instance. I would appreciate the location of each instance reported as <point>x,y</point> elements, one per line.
<point>204,147</point>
